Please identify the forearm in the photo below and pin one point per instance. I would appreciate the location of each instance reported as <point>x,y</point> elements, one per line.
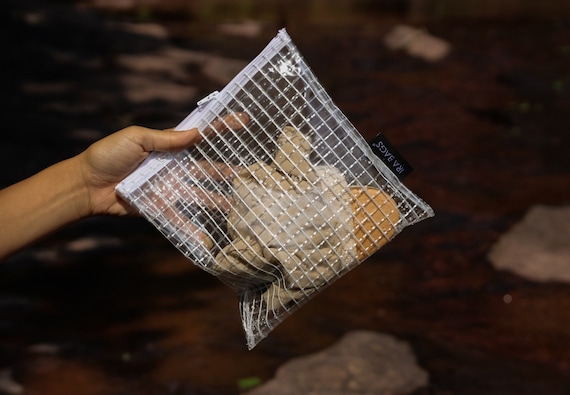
<point>81,186</point>
<point>41,204</point>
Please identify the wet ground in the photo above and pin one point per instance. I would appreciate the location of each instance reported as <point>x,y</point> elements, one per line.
<point>107,306</point>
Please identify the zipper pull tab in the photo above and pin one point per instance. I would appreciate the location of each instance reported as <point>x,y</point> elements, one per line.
<point>207,99</point>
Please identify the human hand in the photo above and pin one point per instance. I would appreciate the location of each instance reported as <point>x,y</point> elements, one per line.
<point>184,188</point>
<point>108,161</point>
<point>80,186</point>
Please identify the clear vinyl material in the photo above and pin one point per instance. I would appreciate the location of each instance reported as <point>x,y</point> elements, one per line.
<point>281,197</point>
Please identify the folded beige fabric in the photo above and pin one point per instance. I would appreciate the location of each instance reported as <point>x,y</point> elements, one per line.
<point>295,227</point>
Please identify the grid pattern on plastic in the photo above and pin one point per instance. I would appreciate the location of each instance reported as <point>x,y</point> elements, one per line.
<point>281,197</point>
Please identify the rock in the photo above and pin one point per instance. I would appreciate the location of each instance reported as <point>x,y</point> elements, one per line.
<point>117,5</point>
<point>145,29</point>
<point>7,384</point>
<point>417,43</point>
<point>248,29</point>
<point>362,363</point>
<point>107,74</point>
<point>538,247</point>
<point>143,89</point>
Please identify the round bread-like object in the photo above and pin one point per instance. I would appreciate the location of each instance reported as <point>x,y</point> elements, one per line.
<point>375,217</point>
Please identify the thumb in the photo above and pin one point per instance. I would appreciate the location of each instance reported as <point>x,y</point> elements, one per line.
<point>169,139</point>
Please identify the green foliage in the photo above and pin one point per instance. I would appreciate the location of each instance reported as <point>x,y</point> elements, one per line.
<point>248,383</point>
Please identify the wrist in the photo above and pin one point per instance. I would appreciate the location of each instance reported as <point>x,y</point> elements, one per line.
<point>97,185</point>
<point>78,188</point>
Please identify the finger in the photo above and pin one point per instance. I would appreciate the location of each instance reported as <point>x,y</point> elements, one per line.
<point>232,121</point>
<point>171,187</point>
<point>218,171</point>
<point>210,200</point>
<point>186,229</point>
<point>168,140</point>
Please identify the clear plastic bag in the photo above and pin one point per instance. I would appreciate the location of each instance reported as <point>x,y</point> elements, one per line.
<point>281,197</point>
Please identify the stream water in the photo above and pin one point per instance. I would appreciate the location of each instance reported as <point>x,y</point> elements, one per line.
<point>107,306</point>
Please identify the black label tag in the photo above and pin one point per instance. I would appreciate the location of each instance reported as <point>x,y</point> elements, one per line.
<point>391,158</point>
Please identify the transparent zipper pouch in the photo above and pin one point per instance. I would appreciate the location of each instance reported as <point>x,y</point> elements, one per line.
<point>281,197</point>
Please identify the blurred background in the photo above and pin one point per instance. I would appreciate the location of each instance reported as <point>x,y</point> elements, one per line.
<point>474,93</point>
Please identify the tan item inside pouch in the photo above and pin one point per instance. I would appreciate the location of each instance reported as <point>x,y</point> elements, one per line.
<point>375,217</point>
